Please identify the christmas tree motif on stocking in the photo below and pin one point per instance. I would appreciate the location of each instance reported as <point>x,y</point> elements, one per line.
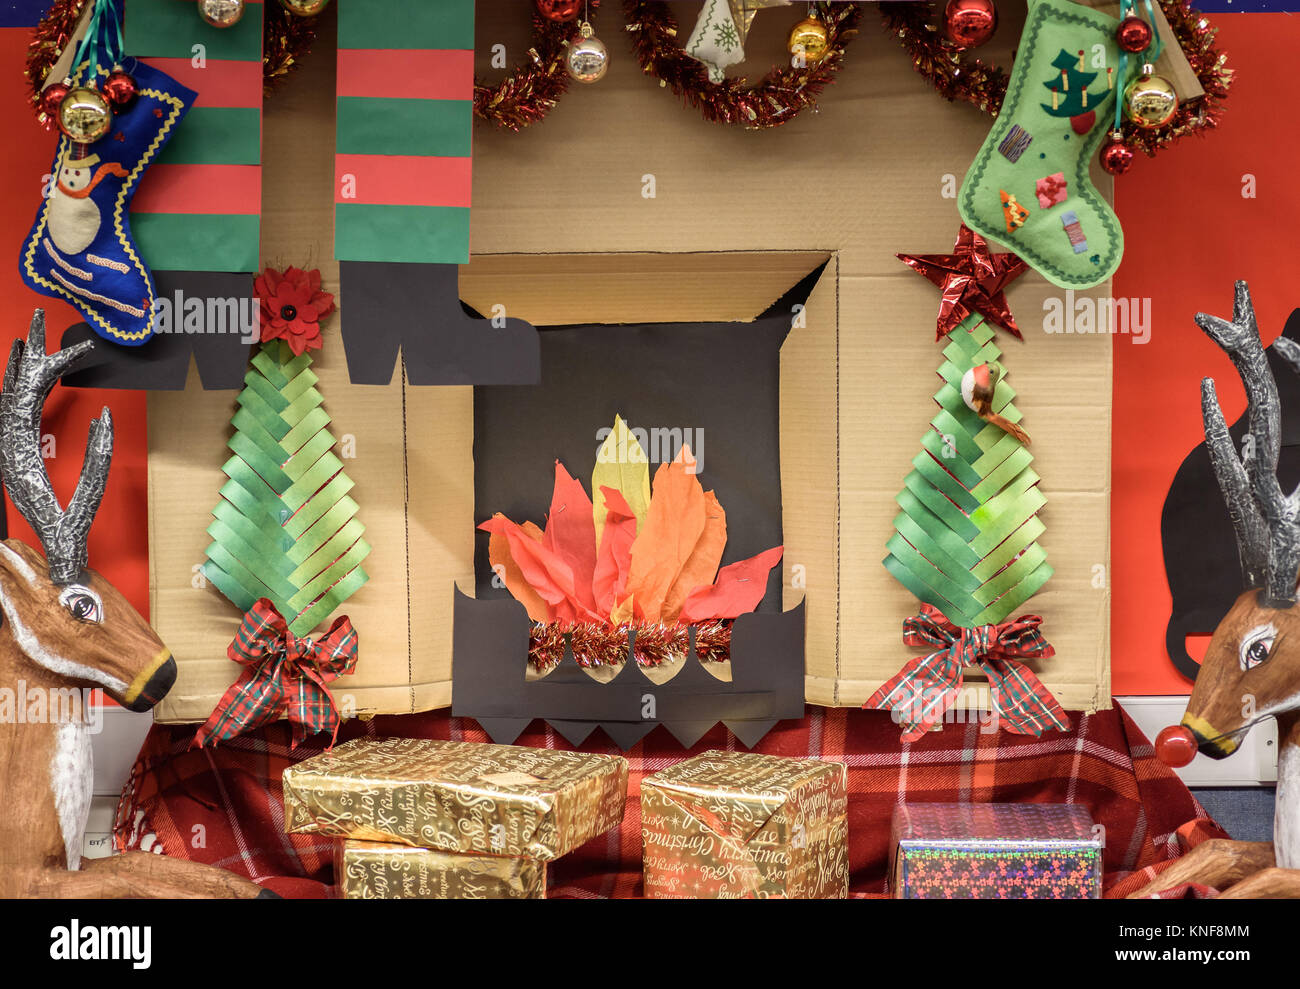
<point>966,540</point>
<point>1030,186</point>
<point>1070,97</point>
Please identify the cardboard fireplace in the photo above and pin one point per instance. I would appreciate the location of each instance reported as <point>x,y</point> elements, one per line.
<point>814,375</point>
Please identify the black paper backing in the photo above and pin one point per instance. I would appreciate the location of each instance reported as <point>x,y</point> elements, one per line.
<point>416,308</point>
<point>1200,550</point>
<point>721,378</point>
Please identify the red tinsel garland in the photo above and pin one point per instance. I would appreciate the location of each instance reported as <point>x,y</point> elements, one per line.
<point>533,88</point>
<point>607,645</point>
<point>781,94</point>
<point>48,39</point>
<point>286,38</point>
<point>959,78</point>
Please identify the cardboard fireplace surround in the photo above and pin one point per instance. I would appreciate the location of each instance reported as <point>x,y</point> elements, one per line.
<point>564,231</point>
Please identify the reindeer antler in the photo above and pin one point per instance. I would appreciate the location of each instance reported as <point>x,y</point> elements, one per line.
<point>28,379</point>
<point>1267,523</point>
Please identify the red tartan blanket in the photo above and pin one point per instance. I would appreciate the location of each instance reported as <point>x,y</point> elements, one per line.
<point>224,806</point>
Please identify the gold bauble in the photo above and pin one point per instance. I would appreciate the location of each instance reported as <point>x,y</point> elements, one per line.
<point>1150,100</point>
<point>221,13</point>
<point>84,115</point>
<point>588,58</point>
<point>810,39</point>
<point>304,8</point>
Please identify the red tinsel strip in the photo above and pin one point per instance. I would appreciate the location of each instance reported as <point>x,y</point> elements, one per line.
<point>959,78</point>
<point>533,88</point>
<point>656,645</point>
<point>607,645</point>
<point>781,94</point>
<point>598,645</point>
<point>545,646</point>
<point>286,38</point>
<point>713,642</point>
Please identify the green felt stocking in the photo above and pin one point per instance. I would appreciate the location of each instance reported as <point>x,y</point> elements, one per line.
<point>1029,187</point>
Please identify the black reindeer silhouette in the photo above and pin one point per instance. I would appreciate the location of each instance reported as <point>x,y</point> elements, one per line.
<point>1200,549</point>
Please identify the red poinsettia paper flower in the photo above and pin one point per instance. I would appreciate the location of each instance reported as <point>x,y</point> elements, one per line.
<point>292,307</point>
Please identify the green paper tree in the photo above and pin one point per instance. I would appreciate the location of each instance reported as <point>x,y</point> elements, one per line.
<point>966,538</point>
<point>285,528</point>
<point>1070,89</point>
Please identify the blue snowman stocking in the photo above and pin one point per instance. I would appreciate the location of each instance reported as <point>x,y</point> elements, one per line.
<point>80,248</point>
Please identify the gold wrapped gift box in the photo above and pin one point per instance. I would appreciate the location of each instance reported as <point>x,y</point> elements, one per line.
<point>739,825</point>
<point>500,800</point>
<point>379,870</point>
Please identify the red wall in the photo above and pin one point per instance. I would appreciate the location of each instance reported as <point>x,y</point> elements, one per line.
<point>1189,235</point>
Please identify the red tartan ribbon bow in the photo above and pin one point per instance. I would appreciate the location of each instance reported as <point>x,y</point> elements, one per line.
<point>282,674</point>
<point>923,690</point>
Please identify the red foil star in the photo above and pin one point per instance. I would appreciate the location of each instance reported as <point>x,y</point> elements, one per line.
<point>972,280</point>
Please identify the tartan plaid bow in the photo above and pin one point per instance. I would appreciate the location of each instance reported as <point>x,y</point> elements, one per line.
<point>923,690</point>
<point>282,673</point>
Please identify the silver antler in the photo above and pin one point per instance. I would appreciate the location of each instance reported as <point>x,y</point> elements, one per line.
<point>1267,523</point>
<point>28,379</point>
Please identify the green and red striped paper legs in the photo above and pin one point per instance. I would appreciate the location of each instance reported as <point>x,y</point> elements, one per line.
<point>402,188</point>
<point>405,113</point>
<point>200,207</point>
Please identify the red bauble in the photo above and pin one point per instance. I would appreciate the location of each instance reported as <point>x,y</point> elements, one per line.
<point>968,23</point>
<point>1116,156</point>
<point>120,90</point>
<point>1175,746</point>
<point>1133,35</point>
<point>559,10</point>
<point>51,97</point>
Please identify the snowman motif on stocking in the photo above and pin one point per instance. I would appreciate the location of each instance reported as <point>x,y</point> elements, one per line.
<point>74,217</point>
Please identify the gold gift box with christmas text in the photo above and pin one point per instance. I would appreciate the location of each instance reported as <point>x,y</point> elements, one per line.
<point>505,800</point>
<point>739,825</point>
<point>385,870</point>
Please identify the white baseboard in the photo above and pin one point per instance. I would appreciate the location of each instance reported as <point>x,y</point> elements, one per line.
<point>98,842</point>
<point>116,746</point>
<point>1253,764</point>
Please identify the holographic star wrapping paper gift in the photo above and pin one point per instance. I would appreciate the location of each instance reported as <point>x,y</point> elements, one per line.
<point>466,797</point>
<point>995,852</point>
<point>739,825</point>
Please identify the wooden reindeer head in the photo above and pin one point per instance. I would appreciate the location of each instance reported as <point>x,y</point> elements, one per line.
<point>63,618</point>
<point>1252,667</point>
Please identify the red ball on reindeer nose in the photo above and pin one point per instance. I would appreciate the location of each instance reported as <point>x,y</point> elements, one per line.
<point>1175,746</point>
